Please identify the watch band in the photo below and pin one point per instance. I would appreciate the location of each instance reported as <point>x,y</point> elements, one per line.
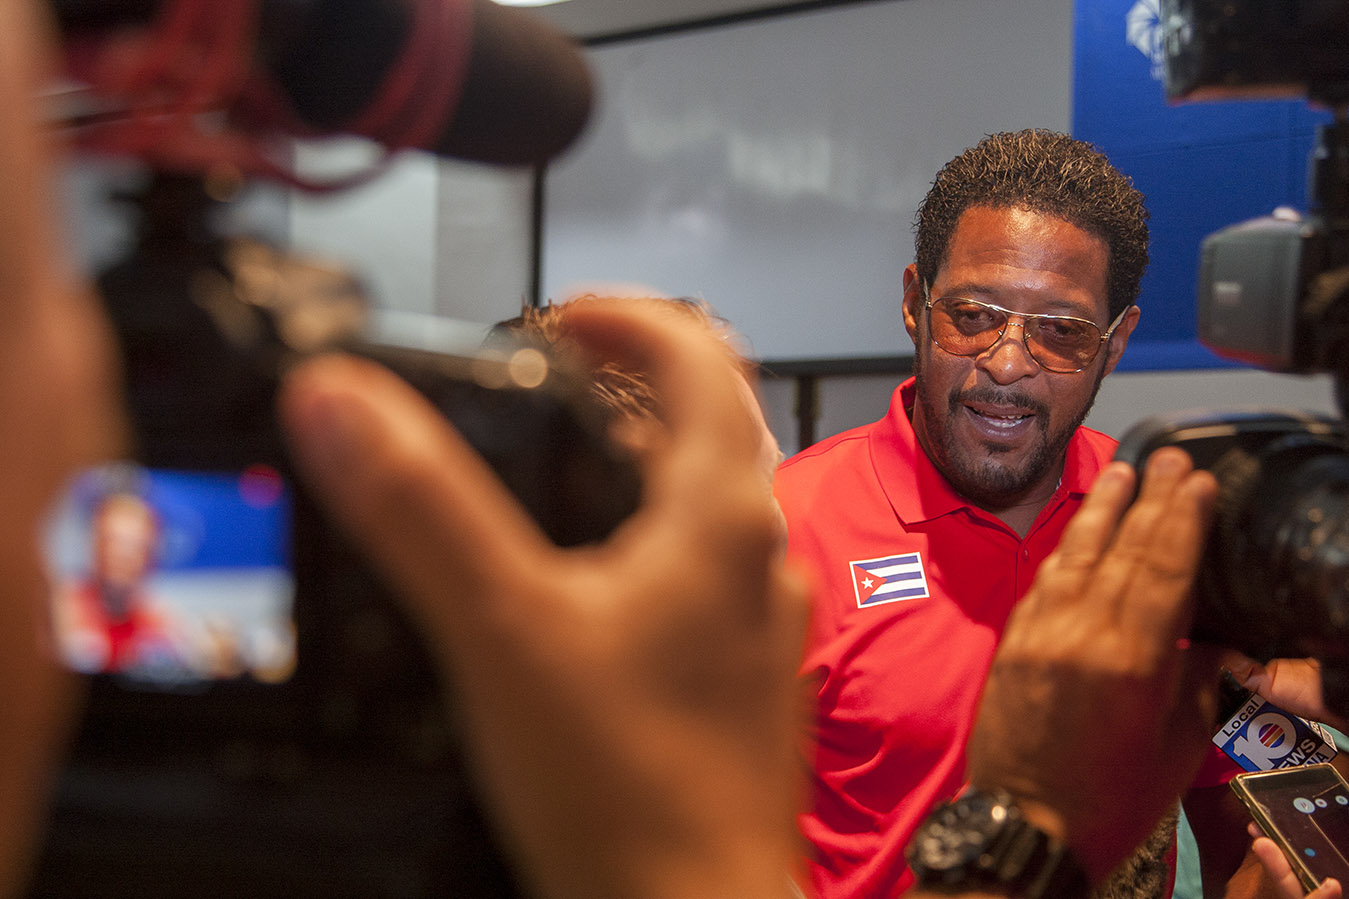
<point>981,840</point>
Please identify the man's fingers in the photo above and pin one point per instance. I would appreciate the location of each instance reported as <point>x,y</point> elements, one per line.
<point>1137,559</point>
<point>408,488</point>
<point>1276,866</point>
<point>1168,553</point>
<point>1294,684</point>
<point>431,511</point>
<point>1152,551</point>
<point>1162,475</point>
<point>1281,873</point>
<point>1064,574</point>
<point>713,448</point>
<point>690,370</point>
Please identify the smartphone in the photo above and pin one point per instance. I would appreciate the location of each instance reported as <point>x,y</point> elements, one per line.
<point>1306,811</point>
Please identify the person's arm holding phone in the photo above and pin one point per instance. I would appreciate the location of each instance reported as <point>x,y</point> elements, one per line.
<point>1304,811</point>
<point>1295,685</point>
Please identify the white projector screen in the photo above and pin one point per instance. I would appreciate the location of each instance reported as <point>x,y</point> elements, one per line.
<point>773,167</point>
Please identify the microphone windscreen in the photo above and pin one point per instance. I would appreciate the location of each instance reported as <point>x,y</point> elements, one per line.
<point>502,85</point>
<point>528,91</point>
<point>525,93</point>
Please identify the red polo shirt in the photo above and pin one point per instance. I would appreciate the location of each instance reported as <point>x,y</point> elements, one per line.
<point>913,588</point>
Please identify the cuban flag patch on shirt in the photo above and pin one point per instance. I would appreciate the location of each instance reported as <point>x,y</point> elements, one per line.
<point>888,579</point>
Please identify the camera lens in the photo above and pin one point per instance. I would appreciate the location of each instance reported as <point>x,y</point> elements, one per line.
<point>1274,580</point>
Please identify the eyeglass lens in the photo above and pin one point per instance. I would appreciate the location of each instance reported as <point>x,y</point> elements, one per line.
<point>967,328</point>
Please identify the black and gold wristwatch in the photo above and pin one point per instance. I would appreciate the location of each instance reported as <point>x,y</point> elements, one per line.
<point>981,841</point>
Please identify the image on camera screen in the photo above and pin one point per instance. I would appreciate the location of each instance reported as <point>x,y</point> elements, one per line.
<point>173,577</point>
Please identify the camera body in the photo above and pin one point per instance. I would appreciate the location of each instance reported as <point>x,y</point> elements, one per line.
<point>1272,292</point>
<point>343,777</point>
<point>1272,582</point>
<point>1224,49</point>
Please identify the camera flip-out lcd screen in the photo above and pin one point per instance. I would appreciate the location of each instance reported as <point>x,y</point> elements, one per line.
<point>174,577</point>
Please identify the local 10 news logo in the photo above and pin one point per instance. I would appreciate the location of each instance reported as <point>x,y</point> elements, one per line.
<point>1261,736</point>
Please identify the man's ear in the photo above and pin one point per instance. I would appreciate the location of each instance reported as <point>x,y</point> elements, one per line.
<point>913,301</point>
<point>1120,339</point>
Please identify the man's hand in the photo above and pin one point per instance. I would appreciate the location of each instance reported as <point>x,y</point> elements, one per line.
<point>1093,716</point>
<point>1291,684</point>
<point>1281,873</point>
<point>58,413</point>
<point>630,707</point>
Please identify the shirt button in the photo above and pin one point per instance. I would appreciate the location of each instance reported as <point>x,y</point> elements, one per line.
<point>1025,554</point>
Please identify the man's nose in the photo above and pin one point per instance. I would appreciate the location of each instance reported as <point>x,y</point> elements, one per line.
<point>1009,360</point>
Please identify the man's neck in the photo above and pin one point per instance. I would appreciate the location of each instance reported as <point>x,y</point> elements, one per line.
<point>1019,518</point>
<point>1021,515</point>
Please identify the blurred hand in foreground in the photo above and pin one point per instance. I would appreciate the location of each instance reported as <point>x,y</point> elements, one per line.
<point>59,410</point>
<point>630,707</point>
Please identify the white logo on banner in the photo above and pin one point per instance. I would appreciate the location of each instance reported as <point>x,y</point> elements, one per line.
<point>1143,25</point>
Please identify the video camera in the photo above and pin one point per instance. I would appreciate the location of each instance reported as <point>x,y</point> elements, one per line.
<point>285,733</point>
<point>1273,292</point>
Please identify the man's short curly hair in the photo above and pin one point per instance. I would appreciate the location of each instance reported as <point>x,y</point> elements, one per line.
<point>1049,173</point>
<point>621,390</point>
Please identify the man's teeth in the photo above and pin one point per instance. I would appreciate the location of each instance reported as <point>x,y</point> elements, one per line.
<point>1001,420</point>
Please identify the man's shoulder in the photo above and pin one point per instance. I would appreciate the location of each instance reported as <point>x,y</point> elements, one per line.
<point>831,448</point>
<point>845,451</point>
<point>1099,447</point>
<point>1088,453</point>
<point>1097,439</point>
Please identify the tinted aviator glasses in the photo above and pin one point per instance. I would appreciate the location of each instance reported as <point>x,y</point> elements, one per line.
<point>1057,343</point>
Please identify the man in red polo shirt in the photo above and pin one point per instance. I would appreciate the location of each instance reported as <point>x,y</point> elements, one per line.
<point>923,529</point>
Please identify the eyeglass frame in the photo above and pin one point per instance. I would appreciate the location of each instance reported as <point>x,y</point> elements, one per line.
<point>1025,340</point>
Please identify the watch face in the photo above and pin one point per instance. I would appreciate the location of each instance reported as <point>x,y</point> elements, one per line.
<point>942,849</point>
<point>981,840</point>
<point>956,835</point>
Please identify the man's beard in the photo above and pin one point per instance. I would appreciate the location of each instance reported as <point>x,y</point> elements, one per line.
<point>980,476</point>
